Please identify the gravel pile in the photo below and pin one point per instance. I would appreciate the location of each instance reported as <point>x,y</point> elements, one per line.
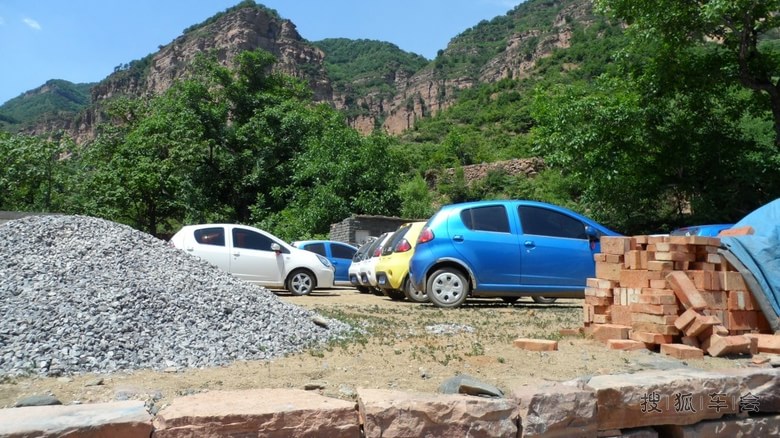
<point>80,294</point>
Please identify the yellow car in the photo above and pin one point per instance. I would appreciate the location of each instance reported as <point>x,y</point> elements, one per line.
<point>392,269</point>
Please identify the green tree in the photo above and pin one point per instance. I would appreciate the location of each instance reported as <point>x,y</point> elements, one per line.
<point>734,30</point>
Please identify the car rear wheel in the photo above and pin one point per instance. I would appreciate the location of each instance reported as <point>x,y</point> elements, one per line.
<point>300,282</point>
<point>448,288</point>
<point>543,300</point>
<point>413,294</point>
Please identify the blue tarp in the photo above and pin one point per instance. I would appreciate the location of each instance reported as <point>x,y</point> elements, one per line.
<point>760,251</point>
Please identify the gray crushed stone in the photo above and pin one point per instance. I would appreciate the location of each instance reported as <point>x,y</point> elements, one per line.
<point>80,294</point>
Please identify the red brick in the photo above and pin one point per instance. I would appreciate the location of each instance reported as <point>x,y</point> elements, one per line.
<point>740,300</point>
<point>675,256</point>
<point>598,292</point>
<point>655,309</point>
<point>682,352</point>
<point>741,320</point>
<point>608,271</point>
<point>716,329</point>
<point>730,280</point>
<point>658,298</point>
<point>661,329</point>
<point>634,279</point>
<point>604,332</point>
<point>535,344</point>
<point>659,265</point>
<point>598,301</point>
<point>602,318</point>
<point>616,244</point>
<point>625,344</point>
<point>599,283</point>
<point>686,292</point>
<point>700,324</point>
<point>651,338</point>
<point>724,345</point>
<point>715,299</point>
<point>654,319</point>
<point>620,315</point>
<point>658,284</point>
<point>686,318</point>
<point>767,343</point>
<point>615,258</point>
<point>691,340</point>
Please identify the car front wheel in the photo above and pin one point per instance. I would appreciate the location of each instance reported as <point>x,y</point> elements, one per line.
<point>300,282</point>
<point>448,288</point>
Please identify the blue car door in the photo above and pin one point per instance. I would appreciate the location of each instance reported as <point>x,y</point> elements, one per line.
<point>341,257</point>
<point>485,239</point>
<point>556,249</point>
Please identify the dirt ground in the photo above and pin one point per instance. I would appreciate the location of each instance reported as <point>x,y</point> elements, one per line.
<point>406,346</point>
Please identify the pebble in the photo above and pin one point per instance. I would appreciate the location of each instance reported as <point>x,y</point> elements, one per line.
<point>86,295</point>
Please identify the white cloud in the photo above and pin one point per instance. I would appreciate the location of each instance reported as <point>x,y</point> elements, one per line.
<point>32,23</point>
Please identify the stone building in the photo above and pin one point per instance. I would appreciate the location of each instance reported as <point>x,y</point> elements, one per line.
<point>356,229</point>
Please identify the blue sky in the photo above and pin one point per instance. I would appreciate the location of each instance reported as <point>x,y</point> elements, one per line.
<point>83,40</point>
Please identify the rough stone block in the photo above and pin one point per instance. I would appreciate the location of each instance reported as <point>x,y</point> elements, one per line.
<point>124,419</point>
<point>555,410</point>
<point>258,412</point>
<point>387,413</point>
<point>649,398</point>
<point>728,427</point>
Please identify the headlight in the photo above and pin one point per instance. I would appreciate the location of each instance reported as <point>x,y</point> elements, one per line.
<point>324,261</point>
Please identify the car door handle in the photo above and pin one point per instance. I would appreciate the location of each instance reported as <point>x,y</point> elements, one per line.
<point>457,238</point>
<point>236,254</point>
<point>529,244</point>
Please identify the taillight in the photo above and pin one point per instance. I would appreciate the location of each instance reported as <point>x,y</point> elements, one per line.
<point>425,236</point>
<point>378,251</point>
<point>403,246</point>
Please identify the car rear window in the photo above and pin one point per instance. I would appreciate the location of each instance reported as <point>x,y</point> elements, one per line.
<point>210,236</point>
<point>394,239</point>
<point>318,248</point>
<point>544,222</point>
<point>489,218</point>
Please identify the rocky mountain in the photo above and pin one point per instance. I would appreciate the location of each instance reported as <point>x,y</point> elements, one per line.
<point>393,98</point>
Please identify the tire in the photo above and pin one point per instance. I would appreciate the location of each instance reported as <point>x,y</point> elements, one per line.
<point>376,291</point>
<point>300,282</point>
<point>395,294</point>
<point>510,300</point>
<point>363,289</point>
<point>413,294</point>
<point>543,300</point>
<point>448,288</point>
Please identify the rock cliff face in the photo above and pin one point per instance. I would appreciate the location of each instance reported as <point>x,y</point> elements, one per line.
<point>416,96</point>
<point>423,94</point>
<point>235,32</point>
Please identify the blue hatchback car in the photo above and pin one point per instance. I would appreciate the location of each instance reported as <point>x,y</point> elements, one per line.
<point>340,255</point>
<point>507,249</point>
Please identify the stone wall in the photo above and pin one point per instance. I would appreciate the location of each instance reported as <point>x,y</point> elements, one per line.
<point>529,167</point>
<point>356,228</point>
<point>685,402</point>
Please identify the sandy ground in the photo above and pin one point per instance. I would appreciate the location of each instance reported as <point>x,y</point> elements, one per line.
<point>405,346</point>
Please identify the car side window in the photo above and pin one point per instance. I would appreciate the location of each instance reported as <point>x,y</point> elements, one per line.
<point>341,251</point>
<point>490,218</point>
<point>248,239</point>
<point>210,236</point>
<point>544,222</point>
<point>318,248</point>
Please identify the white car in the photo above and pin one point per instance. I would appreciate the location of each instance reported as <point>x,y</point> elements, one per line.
<point>256,256</point>
<point>367,268</point>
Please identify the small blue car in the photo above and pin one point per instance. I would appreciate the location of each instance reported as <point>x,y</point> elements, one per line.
<point>710,230</point>
<point>507,249</point>
<point>338,253</point>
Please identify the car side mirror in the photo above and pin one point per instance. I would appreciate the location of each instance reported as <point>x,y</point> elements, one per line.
<point>276,248</point>
<point>592,234</point>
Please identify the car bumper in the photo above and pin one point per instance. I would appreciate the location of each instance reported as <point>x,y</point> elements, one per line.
<point>324,278</point>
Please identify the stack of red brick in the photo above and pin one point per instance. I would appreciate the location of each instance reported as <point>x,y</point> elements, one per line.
<point>676,294</point>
